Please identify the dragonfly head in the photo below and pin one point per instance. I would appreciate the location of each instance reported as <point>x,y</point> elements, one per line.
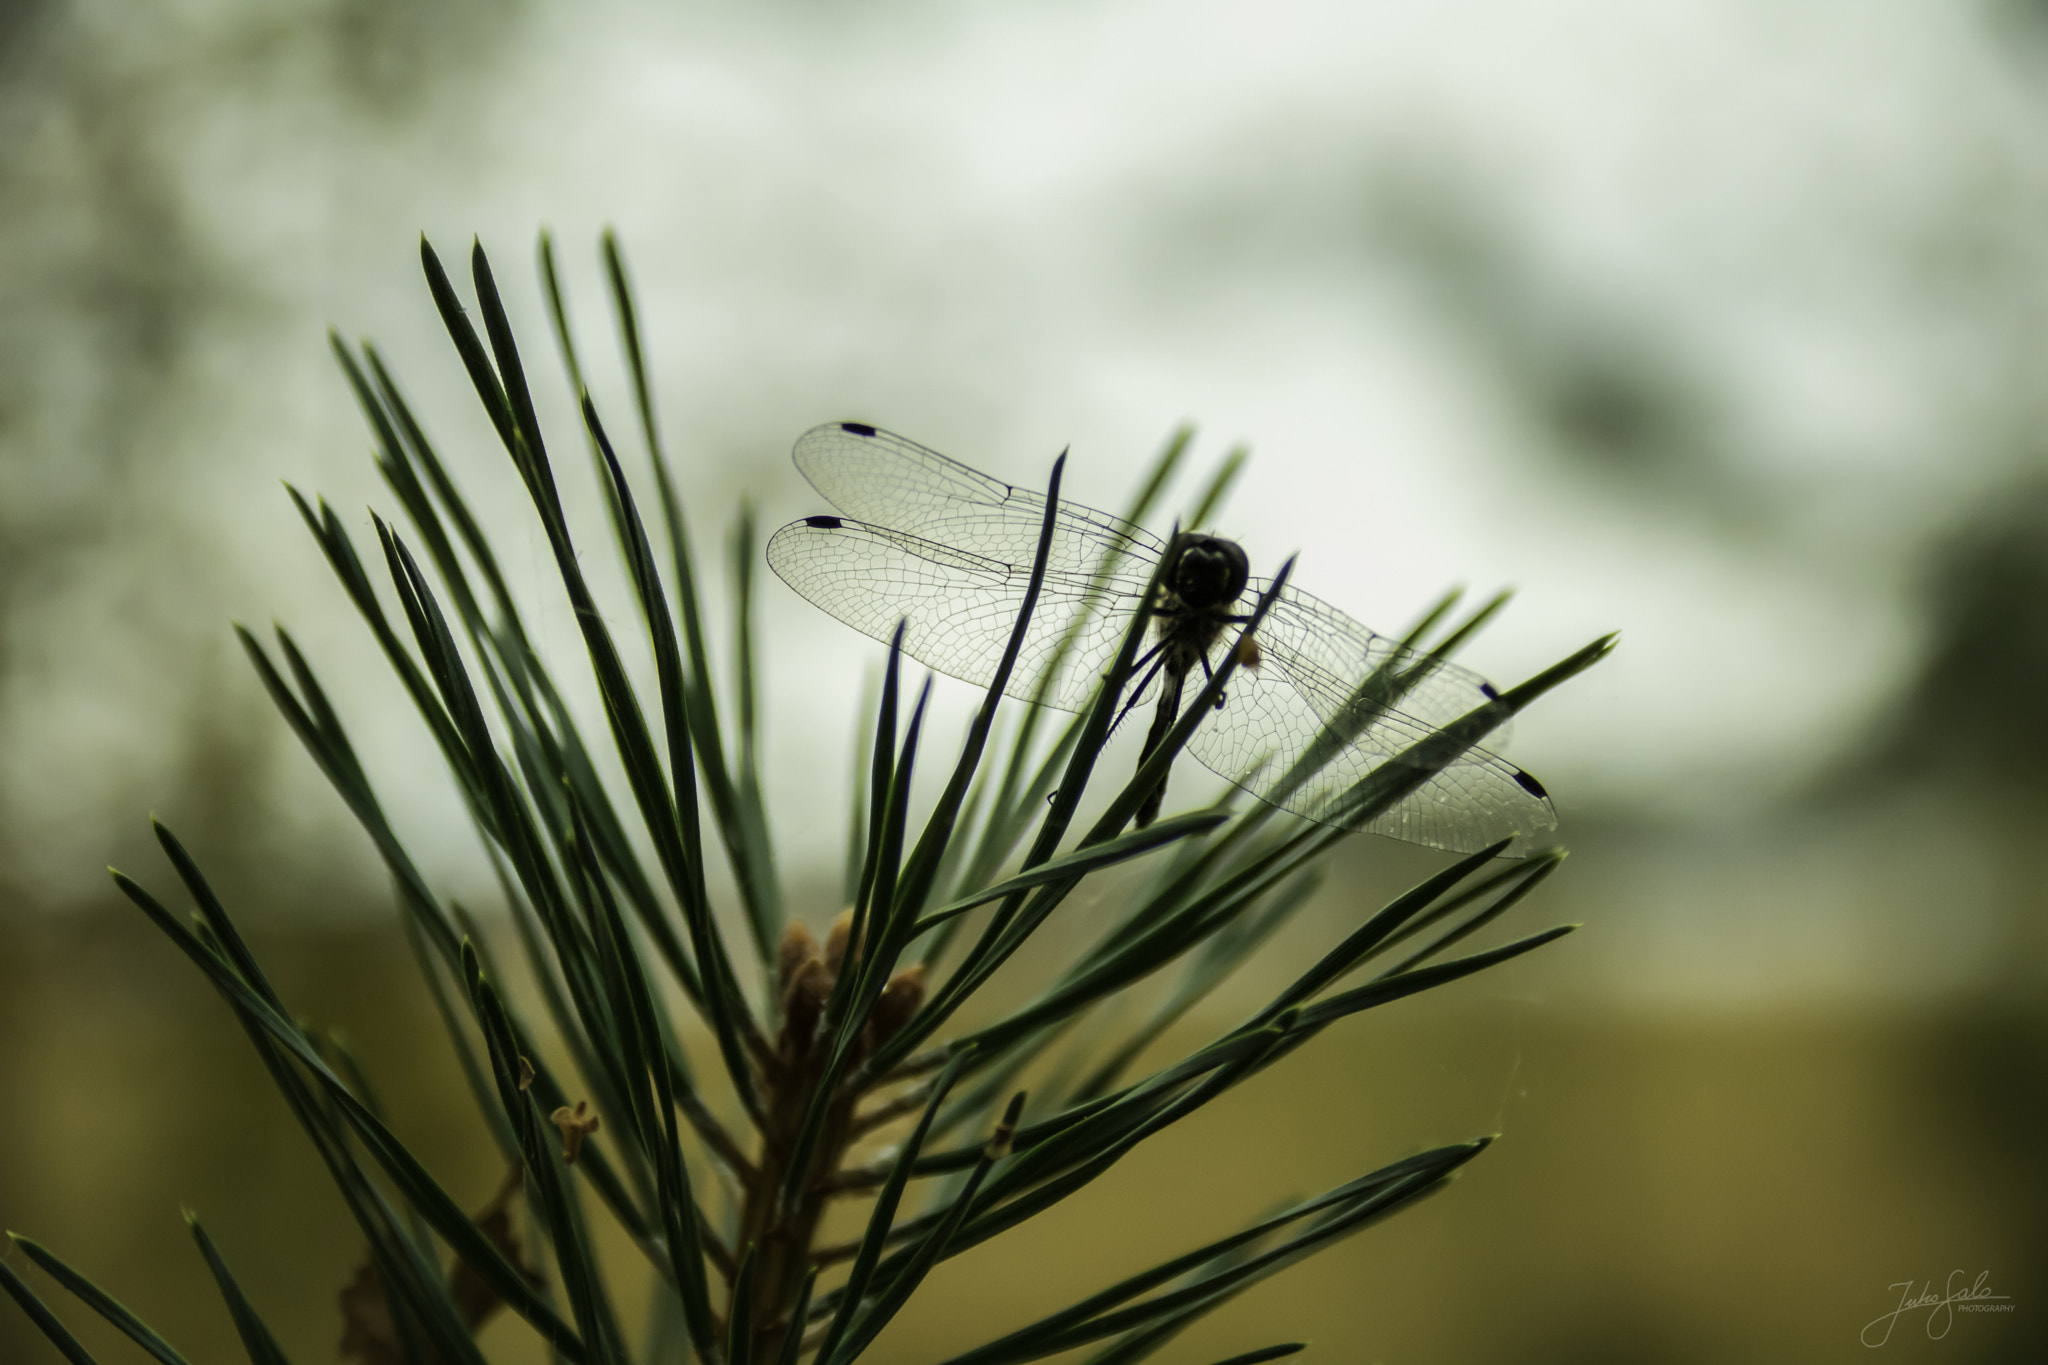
<point>1208,571</point>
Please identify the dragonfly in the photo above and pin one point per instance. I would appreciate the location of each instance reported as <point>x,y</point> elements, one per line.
<point>946,551</point>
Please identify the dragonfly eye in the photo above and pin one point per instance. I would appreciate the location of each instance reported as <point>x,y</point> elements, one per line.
<point>1210,571</point>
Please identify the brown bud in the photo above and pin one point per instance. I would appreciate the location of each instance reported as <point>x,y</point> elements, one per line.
<point>525,1073</point>
<point>835,941</point>
<point>576,1125</point>
<point>899,1000</point>
<point>797,947</point>
<point>802,1003</point>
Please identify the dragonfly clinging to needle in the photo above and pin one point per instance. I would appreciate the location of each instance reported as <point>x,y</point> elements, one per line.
<point>928,542</point>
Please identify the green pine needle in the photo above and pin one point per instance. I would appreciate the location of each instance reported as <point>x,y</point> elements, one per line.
<point>823,1039</point>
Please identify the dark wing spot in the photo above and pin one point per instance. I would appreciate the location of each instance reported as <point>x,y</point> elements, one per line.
<point>1492,694</point>
<point>823,523</point>
<point>1531,785</point>
<point>857,428</point>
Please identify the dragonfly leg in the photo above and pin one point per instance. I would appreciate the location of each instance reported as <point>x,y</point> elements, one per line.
<point>1143,683</point>
<point>1209,675</point>
<point>1148,656</point>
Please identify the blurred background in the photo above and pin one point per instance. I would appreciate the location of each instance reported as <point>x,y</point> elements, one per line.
<point>1721,324</point>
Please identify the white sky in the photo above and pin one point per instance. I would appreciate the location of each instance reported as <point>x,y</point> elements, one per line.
<point>1002,229</point>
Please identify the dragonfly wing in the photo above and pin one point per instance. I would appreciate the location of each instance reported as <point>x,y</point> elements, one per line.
<point>959,607</point>
<point>877,477</point>
<point>1274,718</point>
<point>1436,693</point>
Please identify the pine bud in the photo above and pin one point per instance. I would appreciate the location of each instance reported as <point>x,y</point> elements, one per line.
<point>899,1000</point>
<point>797,948</point>
<point>835,941</point>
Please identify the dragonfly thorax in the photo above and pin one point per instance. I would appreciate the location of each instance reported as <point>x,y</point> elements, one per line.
<point>1197,598</point>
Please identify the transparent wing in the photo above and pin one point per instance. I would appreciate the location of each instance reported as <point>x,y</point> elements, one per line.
<point>960,606</point>
<point>879,478</point>
<point>1314,631</point>
<point>1273,715</point>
